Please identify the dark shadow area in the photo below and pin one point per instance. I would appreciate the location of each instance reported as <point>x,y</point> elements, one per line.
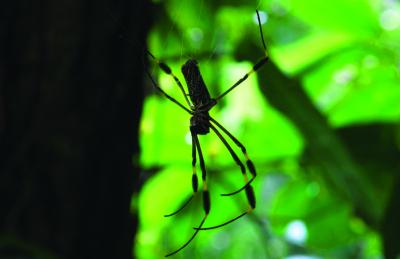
<point>70,101</point>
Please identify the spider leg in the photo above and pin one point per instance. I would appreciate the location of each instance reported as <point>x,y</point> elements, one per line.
<point>257,66</point>
<point>235,157</point>
<point>194,179</point>
<point>249,163</point>
<point>165,94</point>
<point>206,196</point>
<point>164,67</point>
<point>249,189</point>
<point>252,202</point>
<point>261,32</point>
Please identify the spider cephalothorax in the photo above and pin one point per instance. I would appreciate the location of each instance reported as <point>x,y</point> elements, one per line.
<point>200,123</point>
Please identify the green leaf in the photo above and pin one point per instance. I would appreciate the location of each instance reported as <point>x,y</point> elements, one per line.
<point>307,50</point>
<point>357,16</point>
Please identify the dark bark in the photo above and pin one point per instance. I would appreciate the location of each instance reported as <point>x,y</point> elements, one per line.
<point>70,102</point>
<point>391,225</point>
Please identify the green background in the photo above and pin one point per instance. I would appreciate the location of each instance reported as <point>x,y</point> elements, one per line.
<point>326,160</point>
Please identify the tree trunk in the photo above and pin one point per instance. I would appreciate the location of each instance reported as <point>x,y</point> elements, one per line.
<point>70,102</point>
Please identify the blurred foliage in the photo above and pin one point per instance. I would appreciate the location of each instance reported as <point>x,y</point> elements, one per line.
<point>325,177</point>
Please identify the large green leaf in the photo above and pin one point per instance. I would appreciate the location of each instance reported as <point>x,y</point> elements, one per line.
<point>357,16</point>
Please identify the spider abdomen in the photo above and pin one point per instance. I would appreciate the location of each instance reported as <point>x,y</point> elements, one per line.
<point>198,91</point>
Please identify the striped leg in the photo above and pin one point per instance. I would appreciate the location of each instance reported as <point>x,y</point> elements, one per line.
<point>257,66</point>
<point>235,157</point>
<point>166,95</point>
<point>164,67</point>
<point>195,181</point>
<point>252,202</point>
<point>249,189</point>
<point>206,195</point>
<point>249,163</point>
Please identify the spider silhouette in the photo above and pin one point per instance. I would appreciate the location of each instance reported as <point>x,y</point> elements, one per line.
<point>201,122</point>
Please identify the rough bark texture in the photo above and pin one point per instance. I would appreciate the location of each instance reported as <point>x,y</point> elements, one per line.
<point>70,101</point>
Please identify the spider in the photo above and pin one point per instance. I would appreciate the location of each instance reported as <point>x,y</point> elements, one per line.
<point>201,122</point>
